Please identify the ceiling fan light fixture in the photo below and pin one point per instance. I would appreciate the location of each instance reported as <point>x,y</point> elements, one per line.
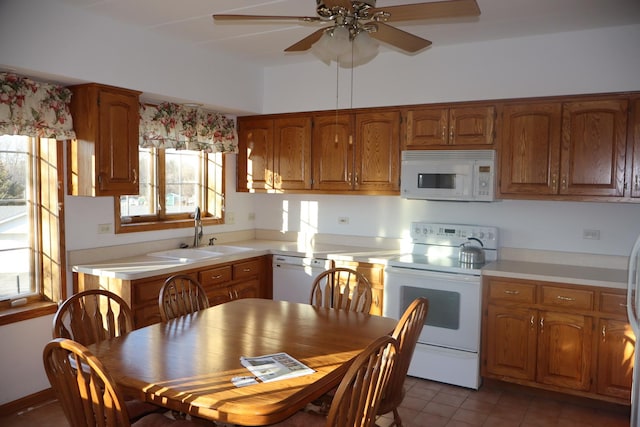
<point>339,40</point>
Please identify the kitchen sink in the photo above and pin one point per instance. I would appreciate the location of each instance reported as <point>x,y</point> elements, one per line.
<point>195,254</point>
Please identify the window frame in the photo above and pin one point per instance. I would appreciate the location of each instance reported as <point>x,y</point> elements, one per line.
<point>164,221</point>
<point>48,242</point>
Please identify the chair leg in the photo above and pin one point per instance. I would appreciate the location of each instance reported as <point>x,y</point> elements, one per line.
<point>397,421</point>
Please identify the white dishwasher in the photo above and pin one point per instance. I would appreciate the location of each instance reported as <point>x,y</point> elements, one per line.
<point>293,276</point>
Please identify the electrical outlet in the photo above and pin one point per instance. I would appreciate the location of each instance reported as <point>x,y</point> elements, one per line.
<point>105,229</point>
<point>343,220</point>
<point>591,234</point>
<point>230,218</point>
<point>251,216</point>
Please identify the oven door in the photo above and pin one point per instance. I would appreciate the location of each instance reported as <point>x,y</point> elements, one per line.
<point>453,319</point>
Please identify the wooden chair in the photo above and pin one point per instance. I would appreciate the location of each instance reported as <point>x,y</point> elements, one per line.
<point>358,396</point>
<point>342,288</point>
<point>93,316</point>
<point>89,397</point>
<point>181,294</point>
<point>406,333</point>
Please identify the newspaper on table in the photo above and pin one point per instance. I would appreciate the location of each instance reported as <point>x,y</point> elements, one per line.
<point>275,367</point>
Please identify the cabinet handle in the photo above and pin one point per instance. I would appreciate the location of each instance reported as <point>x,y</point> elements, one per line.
<point>135,176</point>
<point>623,305</point>
<point>246,270</point>
<point>451,135</point>
<point>541,324</point>
<point>510,292</point>
<point>604,332</point>
<point>562,298</point>
<point>356,178</point>
<point>564,182</point>
<point>216,277</point>
<point>533,321</point>
<point>637,184</point>
<point>444,133</point>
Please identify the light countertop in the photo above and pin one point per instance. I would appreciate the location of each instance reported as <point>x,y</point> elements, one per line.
<point>142,266</point>
<point>561,273</point>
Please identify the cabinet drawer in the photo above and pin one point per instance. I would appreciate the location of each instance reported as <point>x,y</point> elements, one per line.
<point>512,292</point>
<point>564,297</point>
<point>246,269</point>
<point>215,276</point>
<point>613,303</point>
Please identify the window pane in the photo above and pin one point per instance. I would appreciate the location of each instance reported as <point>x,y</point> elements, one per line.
<point>16,220</point>
<point>182,178</point>
<point>142,203</point>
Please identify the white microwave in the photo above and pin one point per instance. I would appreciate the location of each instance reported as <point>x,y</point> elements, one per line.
<point>466,175</point>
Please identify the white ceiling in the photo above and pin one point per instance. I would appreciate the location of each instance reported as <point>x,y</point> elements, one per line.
<point>264,42</point>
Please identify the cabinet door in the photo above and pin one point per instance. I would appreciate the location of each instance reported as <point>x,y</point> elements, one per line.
<point>472,125</point>
<point>427,127</point>
<point>333,152</point>
<point>247,289</point>
<point>594,144</point>
<point>255,160</point>
<point>564,350</point>
<point>377,153</point>
<point>511,339</point>
<point>634,136</point>
<point>117,160</point>
<point>292,153</point>
<point>615,358</point>
<point>530,158</point>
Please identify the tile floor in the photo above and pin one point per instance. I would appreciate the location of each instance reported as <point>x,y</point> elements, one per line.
<point>431,404</point>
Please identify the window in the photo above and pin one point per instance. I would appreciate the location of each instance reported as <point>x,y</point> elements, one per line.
<point>172,184</point>
<point>31,239</point>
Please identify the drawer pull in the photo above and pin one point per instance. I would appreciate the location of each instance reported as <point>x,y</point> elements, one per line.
<point>623,305</point>
<point>510,292</point>
<point>562,298</point>
<point>219,276</point>
<point>246,270</point>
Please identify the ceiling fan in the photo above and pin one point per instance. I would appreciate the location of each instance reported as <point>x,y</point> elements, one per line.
<point>351,18</point>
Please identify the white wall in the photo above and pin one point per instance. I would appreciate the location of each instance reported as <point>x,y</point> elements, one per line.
<point>45,38</point>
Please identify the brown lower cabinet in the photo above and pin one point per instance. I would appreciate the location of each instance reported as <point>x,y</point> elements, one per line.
<point>223,282</point>
<point>560,337</point>
<point>375,275</point>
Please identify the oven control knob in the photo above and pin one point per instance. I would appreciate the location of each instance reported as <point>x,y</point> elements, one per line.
<point>481,235</point>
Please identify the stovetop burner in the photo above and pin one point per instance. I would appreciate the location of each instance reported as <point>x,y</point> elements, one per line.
<point>436,247</point>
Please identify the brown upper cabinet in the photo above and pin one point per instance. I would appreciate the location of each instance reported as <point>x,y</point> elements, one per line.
<point>275,153</point>
<point>574,148</point>
<point>446,127</point>
<point>357,152</point>
<point>103,160</point>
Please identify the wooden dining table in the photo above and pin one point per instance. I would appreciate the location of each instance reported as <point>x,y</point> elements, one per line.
<point>188,363</point>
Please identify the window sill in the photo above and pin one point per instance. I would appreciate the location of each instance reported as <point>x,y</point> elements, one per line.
<point>26,312</point>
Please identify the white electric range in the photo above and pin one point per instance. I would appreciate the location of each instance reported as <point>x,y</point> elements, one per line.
<point>449,345</point>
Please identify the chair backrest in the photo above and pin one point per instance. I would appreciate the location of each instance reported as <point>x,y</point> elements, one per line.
<point>92,316</point>
<point>406,333</point>
<point>88,396</point>
<point>342,288</point>
<point>181,294</point>
<point>359,394</point>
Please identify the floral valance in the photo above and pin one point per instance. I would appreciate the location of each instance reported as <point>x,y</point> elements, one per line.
<point>169,125</point>
<point>34,108</point>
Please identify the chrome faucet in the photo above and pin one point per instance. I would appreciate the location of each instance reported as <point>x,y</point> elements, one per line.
<point>197,227</point>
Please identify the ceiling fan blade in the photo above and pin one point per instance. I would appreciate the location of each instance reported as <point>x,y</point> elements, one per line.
<point>305,43</point>
<point>222,17</point>
<point>432,10</point>
<point>399,38</point>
